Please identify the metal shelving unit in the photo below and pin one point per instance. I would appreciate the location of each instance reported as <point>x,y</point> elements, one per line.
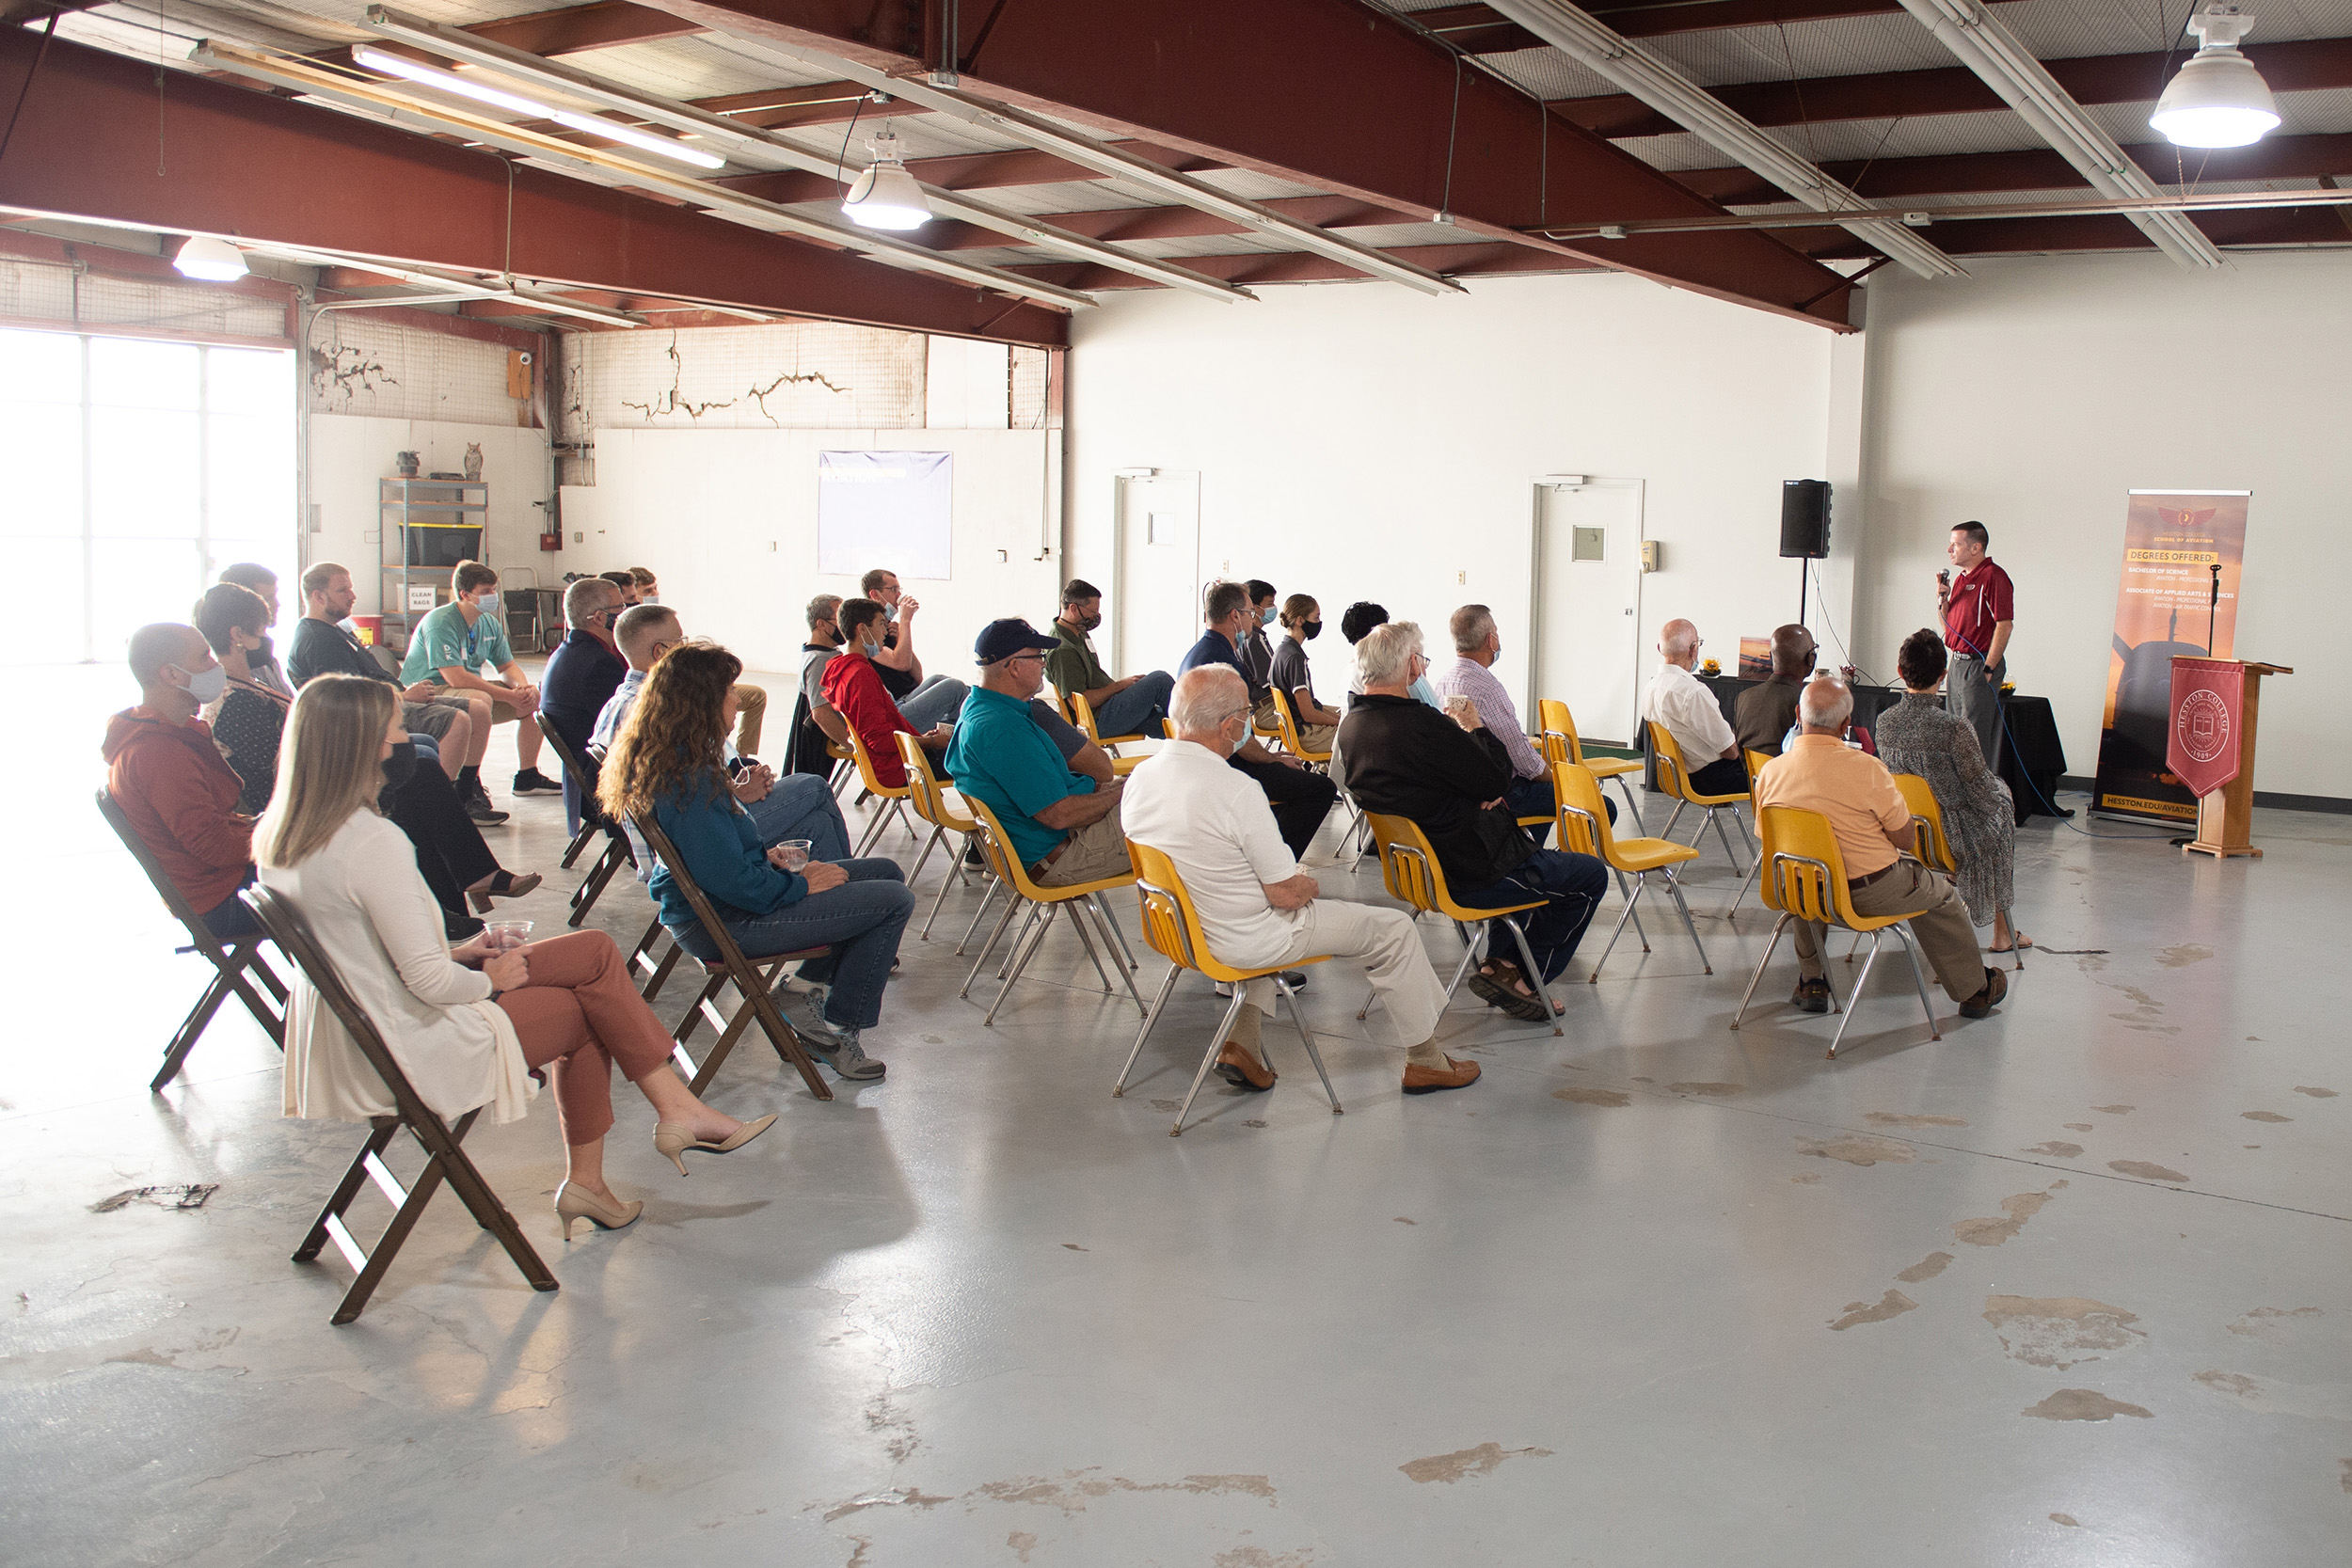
<point>424,527</point>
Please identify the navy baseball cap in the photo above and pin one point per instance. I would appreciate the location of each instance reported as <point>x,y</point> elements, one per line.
<point>1002,639</point>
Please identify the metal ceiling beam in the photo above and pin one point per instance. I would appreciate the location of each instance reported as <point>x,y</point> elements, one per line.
<point>1591,44</point>
<point>600,24</point>
<point>1985,46</point>
<point>1483,30</point>
<point>2298,228</point>
<point>2133,206</point>
<point>249,165</point>
<point>2304,65</point>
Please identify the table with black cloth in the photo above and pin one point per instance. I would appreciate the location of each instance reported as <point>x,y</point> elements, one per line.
<point>2031,761</point>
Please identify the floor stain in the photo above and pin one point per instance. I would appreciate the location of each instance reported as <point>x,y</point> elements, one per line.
<point>1926,1268</point>
<point>2078,1127</point>
<point>2084,1404</point>
<point>2183,955</point>
<point>1022,1542</point>
<point>2261,1321</point>
<point>2066,1519</point>
<point>1402,1220</point>
<point>938,1039</point>
<point>1254,1122</point>
<point>2057,1149</point>
<point>1653,1081</point>
<point>1993,1232</point>
<point>2347,1473</point>
<point>1167,1105</point>
<point>2264,1116</point>
<point>1858,1148</point>
<point>1613,1098</point>
<point>1450,1467</point>
<point>1258,1556</point>
<point>1712,1091</point>
<point>2315,1092</point>
<point>2144,1170</point>
<point>2145,1011</point>
<point>2114,1110</point>
<point>1074,1489</point>
<point>2059,1332</point>
<point>1889,1118</point>
<point>1892,1304</point>
<point>1809,1179</point>
<point>1075,1247</point>
<point>2234,1384</point>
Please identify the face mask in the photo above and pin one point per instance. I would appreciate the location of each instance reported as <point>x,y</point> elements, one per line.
<point>206,688</point>
<point>1314,629</point>
<point>832,638</point>
<point>487,601</point>
<point>648,598</point>
<point>870,650</point>
<point>1088,623</point>
<point>400,764</point>
<point>262,655</point>
<point>1265,616</point>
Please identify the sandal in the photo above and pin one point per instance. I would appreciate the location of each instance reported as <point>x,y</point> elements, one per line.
<point>1514,982</point>
<point>2017,939</point>
<point>1501,988</point>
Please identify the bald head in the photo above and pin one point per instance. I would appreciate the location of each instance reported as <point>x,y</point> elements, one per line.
<point>1826,706</point>
<point>1679,642</point>
<point>1793,650</point>
<point>1205,702</point>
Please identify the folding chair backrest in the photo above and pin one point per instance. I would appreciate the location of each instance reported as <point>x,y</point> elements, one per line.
<point>1560,743</point>
<point>1170,923</point>
<point>1001,858</point>
<point>1926,818</point>
<point>1672,769</point>
<point>1583,817</point>
<point>1806,874</point>
<point>174,900</point>
<point>874,786</point>
<point>1081,713</point>
<point>926,793</point>
<point>583,770</point>
<point>291,933</point>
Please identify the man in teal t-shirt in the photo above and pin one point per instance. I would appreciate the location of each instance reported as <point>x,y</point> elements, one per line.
<point>1065,830</point>
<point>455,648</point>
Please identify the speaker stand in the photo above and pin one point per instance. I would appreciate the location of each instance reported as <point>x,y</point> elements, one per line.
<point>1803,566</point>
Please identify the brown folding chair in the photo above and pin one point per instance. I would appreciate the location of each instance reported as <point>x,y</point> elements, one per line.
<point>232,966</point>
<point>751,979</point>
<point>616,852</point>
<point>443,1159</point>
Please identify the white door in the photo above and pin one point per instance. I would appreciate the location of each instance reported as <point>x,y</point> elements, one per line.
<point>1588,584</point>
<point>1155,615</point>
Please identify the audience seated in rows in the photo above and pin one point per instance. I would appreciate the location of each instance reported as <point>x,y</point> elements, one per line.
<point>1690,713</point>
<point>1451,776</point>
<point>1355,622</point>
<point>1257,908</point>
<point>670,761</point>
<point>458,724</point>
<point>1302,622</point>
<point>262,663</point>
<point>1301,800</point>
<point>1132,704</point>
<point>470,1025</point>
<point>638,585</point>
<point>1820,772</point>
<point>581,677</point>
<point>1765,712</point>
<point>852,687</point>
<point>1917,736</point>
<point>1477,644</point>
<point>816,724</point>
<point>901,672</point>
<point>451,646</point>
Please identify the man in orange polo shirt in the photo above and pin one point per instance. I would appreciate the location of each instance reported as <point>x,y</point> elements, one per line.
<point>1820,772</point>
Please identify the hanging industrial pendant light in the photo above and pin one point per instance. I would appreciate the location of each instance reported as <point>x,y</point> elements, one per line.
<point>886,195</point>
<point>2218,99</point>
<point>210,260</point>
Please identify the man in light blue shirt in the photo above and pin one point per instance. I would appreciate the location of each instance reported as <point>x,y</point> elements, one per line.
<point>453,646</point>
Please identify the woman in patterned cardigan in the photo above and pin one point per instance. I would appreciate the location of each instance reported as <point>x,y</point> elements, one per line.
<point>1917,736</point>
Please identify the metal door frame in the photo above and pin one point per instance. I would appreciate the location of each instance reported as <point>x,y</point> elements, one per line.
<point>1536,488</point>
<point>1121,619</point>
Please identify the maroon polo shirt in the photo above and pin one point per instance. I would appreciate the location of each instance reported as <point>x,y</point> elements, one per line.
<point>1980,597</point>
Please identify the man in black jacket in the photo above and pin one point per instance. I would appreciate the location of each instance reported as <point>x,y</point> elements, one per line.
<point>1449,775</point>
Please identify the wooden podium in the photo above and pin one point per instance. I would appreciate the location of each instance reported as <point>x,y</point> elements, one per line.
<point>2225,816</point>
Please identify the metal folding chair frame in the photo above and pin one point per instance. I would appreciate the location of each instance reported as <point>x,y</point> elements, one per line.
<point>1434,879</point>
<point>1633,896</point>
<point>1683,793</point>
<point>1827,892</point>
<point>1036,923</point>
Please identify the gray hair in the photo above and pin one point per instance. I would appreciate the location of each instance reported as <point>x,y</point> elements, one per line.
<point>1206,696</point>
<point>1826,703</point>
<point>584,595</point>
<point>1678,639</point>
<point>1386,652</point>
<point>1471,625</point>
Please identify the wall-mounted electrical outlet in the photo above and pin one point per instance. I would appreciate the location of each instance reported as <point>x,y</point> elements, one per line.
<point>580,536</point>
<point>1462,577</point>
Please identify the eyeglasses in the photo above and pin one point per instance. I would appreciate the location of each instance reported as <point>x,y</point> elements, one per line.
<point>1016,658</point>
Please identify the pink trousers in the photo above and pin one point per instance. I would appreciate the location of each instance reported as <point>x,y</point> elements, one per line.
<point>580,1014</point>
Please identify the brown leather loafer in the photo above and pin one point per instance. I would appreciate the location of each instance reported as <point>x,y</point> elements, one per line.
<point>1812,995</point>
<point>1430,1080</point>
<point>1243,1070</point>
<point>1982,1004</point>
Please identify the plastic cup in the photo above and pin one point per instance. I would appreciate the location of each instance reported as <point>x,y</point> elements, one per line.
<point>795,853</point>
<point>506,934</point>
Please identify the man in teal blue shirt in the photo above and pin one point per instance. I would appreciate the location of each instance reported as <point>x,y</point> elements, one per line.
<point>1063,825</point>
<point>454,646</point>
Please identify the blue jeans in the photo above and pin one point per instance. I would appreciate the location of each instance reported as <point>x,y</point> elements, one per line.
<point>1571,886</point>
<point>938,700</point>
<point>800,806</point>
<point>1138,709</point>
<point>229,919</point>
<point>861,921</point>
<point>1532,798</point>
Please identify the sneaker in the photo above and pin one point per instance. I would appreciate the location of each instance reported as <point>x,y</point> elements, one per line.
<point>478,807</point>
<point>1982,1004</point>
<point>1812,995</point>
<point>532,781</point>
<point>838,1049</point>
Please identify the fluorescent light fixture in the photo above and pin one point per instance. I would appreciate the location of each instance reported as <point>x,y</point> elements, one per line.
<point>211,260</point>
<point>886,195</point>
<point>372,59</point>
<point>2218,99</point>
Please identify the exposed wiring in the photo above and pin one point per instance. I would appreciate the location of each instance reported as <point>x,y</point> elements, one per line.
<point>1820,596</point>
<point>842,157</point>
<point>25,91</point>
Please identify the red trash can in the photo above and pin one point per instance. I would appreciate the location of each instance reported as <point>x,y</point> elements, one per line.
<point>371,630</point>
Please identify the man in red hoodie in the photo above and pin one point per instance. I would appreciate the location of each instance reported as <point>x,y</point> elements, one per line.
<point>164,772</point>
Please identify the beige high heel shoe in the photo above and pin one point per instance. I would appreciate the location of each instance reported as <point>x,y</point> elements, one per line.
<point>672,1139</point>
<point>576,1203</point>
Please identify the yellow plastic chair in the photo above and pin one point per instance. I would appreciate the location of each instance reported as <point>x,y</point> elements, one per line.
<point>891,797</point>
<point>942,808</point>
<point>1755,761</point>
<point>1584,828</point>
<point>1804,878</point>
<point>1675,774</point>
<point>1286,725</point>
<point>1410,867</point>
<point>844,767</point>
<point>1560,743</point>
<point>1172,927</point>
<point>1082,714</point>
<point>1936,850</point>
<point>1042,903</point>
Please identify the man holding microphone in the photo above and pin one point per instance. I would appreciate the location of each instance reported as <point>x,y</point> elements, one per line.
<point>1979,612</point>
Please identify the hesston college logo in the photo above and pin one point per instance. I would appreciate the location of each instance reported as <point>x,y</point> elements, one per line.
<point>2203,725</point>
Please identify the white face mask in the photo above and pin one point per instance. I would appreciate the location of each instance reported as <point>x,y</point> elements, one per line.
<point>1265,616</point>
<point>206,686</point>
<point>487,601</point>
<point>648,598</point>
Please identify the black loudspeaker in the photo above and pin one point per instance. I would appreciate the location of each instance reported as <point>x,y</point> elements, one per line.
<point>1805,519</point>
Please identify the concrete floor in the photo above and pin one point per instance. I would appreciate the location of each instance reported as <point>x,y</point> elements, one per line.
<point>2072,1286</point>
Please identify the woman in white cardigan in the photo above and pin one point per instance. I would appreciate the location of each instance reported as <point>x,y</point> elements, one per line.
<point>470,1025</point>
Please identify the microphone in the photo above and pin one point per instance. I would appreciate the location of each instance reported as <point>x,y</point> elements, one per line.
<point>2216,568</point>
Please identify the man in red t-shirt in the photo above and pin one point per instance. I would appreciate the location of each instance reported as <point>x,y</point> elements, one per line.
<point>1980,610</point>
<point>854,686</point>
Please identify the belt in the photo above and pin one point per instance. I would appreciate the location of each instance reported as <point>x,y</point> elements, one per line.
<point>1866,881</point>
<point>1051,856</point>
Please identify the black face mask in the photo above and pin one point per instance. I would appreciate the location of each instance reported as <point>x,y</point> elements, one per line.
<point>1314,629</point>
<point>1088,623</point>
<point>834,638</point>
<point>261,655</point>
<point>401,764</point>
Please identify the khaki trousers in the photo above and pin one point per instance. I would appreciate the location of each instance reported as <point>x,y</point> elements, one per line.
<point>751,708</point>
<point>1941,926</point>
<point>1090,853</point>
<point>1408,989</point>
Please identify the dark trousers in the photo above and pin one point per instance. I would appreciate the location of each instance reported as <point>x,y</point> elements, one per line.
<point>1571,886</point>
<point>1532,798</point>
<point>451,854</point>
<point>1723,776</point>
<point>229,919</point>
<point>1300,800</point>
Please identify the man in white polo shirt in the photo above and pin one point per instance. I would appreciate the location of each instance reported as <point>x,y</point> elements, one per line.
<point>1257,908</point>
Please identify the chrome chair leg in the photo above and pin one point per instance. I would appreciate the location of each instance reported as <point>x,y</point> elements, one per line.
<point>1151,1017</point>
<point>1860,980</point>
<point>1020,934</point>
<point>937,904</point>
<point>1630,894</point>
<point>1675,888</point>
<point>995,885</point>
<point>1625,788</point>
<point>1673,816</point>
<point>1640,883</point>
<point>1770,948</point>
<point>1535,975</point>
<point>1754,865</point>
<point>1085,940</point>
<point>1119,938</point>
<point>1715,814</point>
<point>1308,1039</point>
<point>1021,962</point>
<point>1126,972</point>
<point>981,962</point>
<point>1216,1043</point>
<point>1919,979</point>
<point>922,859</point>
